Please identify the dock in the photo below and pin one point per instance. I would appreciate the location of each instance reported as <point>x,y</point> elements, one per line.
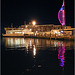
<point>50,37</point>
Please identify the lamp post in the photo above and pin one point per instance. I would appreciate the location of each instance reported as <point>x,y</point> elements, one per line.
<point>34,22</point>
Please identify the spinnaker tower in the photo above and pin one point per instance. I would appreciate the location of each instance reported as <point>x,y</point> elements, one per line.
<point>61,14</point>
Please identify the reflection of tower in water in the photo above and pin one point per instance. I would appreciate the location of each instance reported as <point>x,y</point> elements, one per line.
<point>61,57</point>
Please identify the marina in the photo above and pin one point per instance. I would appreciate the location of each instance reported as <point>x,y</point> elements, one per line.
<point>44,44</point>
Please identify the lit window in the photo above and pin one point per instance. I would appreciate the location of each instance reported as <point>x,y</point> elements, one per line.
<point>55,32</point>
<point>61,31</point>
<point>26,26</point>
<point>30,29</point>
<point>36,31</point>
<point>23,32</point>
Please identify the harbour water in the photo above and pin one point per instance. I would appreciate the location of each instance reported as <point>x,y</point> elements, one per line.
<point>27,56</point>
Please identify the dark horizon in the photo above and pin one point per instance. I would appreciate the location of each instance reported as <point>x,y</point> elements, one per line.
<point>43,12</point>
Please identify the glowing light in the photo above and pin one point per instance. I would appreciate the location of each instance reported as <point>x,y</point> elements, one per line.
<point>17,32</point>
<point>23,32</point>
<point>27,47</point>
<point>33,22</point>
<point>61,14</point>
<point>37,41</point>
<point>55,43</point>
<point>11,41</point>
<point>34,50</point>
<point>61,31</point>
<point>55,32</point>
<point>23,41</point>
<point>30,29</point>
<point>11,32</point>
<point>18,42</point>
<point>8,41</point>
<point>26,26</point>
<point>35,34</point>
<point>30,44</point>
<point>36,31</point>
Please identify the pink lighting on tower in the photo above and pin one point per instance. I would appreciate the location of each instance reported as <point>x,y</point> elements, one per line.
<point>63,3</point>
<point>61,14</point>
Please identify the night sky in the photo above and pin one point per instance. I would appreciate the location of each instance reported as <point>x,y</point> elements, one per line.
<point>43,11</point>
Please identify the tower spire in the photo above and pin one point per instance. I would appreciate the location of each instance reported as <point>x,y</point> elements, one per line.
<point>63,2</point>
<point>61,14</point>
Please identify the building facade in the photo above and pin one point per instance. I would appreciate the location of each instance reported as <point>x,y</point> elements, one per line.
<point>39,29</point>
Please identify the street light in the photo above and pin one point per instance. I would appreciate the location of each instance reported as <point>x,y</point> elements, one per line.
<point>33,22</point>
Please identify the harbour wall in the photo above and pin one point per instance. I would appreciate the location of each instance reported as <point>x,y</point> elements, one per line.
<point>42,36</point>
<point>47,36</point>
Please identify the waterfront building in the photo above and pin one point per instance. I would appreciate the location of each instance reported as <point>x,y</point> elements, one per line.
<point>39,29</point>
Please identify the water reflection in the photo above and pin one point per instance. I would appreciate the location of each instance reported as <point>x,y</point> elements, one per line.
<point>61,52</point>
<point>39,43</point>
<point>37,55</point>
<point>34,50</point>
<point>27,48</point>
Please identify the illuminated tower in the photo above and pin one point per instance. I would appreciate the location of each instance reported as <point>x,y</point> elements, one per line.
<point>61,14</point>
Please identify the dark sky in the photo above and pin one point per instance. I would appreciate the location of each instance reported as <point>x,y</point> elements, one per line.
<point>43,11</point>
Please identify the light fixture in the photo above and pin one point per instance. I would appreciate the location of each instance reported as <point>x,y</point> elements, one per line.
<point>61,31</point>
<point>33,22</point>
<point>55,32</point>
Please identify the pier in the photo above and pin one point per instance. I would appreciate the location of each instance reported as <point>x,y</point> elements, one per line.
<point>49,36</point>
<point>41,31</point>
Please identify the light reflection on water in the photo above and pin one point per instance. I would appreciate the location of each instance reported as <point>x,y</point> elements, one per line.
<point>40,58</point>
<point>34,50</point>
<point>61,52</point>
<point>35,44</point>
<point>28,42</point>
